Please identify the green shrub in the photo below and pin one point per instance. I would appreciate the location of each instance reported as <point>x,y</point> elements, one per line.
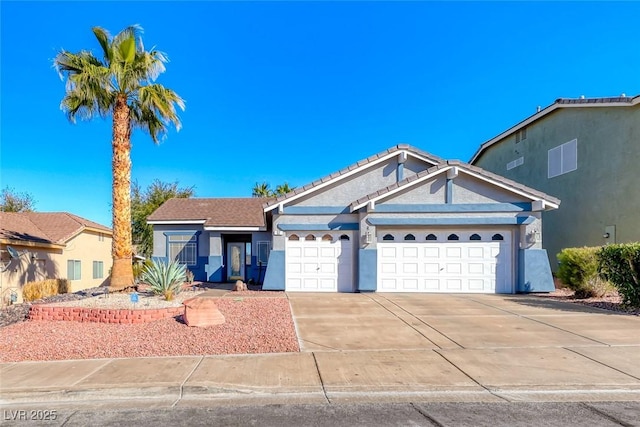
<point>165,279</point>
<point>138,269</point>
<point>620,265</point>
<point>578,270</point>
<point>44,288</point>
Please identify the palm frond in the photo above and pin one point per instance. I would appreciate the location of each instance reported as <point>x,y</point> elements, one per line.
<point>103,37</point>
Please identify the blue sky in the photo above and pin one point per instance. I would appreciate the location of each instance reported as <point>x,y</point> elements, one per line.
<point>292,91</point>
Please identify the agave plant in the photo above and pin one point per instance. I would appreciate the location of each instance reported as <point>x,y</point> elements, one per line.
<point>165,279</point>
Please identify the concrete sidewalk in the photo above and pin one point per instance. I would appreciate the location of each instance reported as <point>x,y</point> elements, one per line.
<point>377,347</point>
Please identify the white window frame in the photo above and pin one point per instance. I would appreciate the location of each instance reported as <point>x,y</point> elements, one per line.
<point>98,269</point>
<point>259,252</point>
<point>74,269</point>
<point>561,157</point>
<point>183,248</point>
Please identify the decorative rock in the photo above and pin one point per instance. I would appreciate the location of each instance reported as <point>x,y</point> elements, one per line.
<point>201,312</point>
<point>240,286</point>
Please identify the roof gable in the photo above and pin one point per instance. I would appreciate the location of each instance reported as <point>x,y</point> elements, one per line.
<point>351,170</point>
<point>211,212</point>
<point>621,101</point>
<point>452,168</point>
<point>45,227</point>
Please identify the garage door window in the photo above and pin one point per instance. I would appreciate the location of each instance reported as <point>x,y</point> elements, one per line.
<point>388,237</point>
<point>432,237</point>
<point>310,237</point>
<point>409,237</point>
<point>453,237</point>
<point>327,238</point>
<point>475,237</point>
<point>497,237</point>
<point>294,237</point>
<point>344,237</point>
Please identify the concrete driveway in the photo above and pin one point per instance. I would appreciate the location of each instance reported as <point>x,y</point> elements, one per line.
<point>502,343</point>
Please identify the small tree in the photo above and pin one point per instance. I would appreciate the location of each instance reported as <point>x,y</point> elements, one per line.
<point>144,203</point>
<point>11,201</point>
<point>264,190</point>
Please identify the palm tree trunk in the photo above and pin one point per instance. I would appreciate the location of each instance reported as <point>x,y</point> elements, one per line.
<point>122,271</point>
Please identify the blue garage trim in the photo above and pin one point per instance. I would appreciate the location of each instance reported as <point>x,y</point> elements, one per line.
<point>368,270</point>
<point>461,207</point>
<point>274,276</point>
<point>320,227</point>
<point>452,221</point>
<point>214,269</point>
<point>535,271</point>
<point>316,210</point>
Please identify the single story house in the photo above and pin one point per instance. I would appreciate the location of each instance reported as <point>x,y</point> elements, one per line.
<point>401,220</point>
<point>52,245</point>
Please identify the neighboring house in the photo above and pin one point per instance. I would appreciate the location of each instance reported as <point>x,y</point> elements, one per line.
<point>52,245</point>
<point>402,220</point>
<point>586,152</point>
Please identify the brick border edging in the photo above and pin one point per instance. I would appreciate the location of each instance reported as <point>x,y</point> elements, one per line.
<point>102,315</point>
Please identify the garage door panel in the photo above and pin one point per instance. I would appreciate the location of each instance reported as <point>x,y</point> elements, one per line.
<point>328,268</point>
<point>388,252</point>
<point>453,252</point>
<point>328,252</point>
<point>446,266</point>
<point>294,252</point>
<point>294,283</point>
<point>410,268</point>
<point>310,252</point>
<point>294,267</point>
<point>410,252</point>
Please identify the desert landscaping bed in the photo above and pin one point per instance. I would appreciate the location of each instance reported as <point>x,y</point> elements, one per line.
<point>252,325</point>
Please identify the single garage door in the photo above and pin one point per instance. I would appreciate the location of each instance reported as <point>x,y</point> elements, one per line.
<point>445,261</point>
<point>319,262</point>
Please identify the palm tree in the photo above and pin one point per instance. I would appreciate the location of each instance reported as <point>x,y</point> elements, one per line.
<point>121,85</point>
<point>261,190</point>
<point>283,189</point>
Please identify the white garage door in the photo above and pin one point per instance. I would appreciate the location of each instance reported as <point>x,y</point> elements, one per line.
<point>319,262</point>
<point>445,261</point>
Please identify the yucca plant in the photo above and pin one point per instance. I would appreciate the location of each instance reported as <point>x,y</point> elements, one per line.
<point>165,279</point>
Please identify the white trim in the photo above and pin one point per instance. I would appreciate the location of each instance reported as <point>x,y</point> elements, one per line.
<point>215,228</point>
<point>459,169</point>
<point>346,175</point>
<point>177,222</point>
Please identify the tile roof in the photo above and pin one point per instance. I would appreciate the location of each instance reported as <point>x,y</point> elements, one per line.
<point>619,101</point>
<point>44,227</point>
<point>360,163</point>
<point>218,212</point>
<point>479,171</point>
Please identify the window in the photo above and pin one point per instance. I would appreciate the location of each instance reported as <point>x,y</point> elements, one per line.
<point>344,237</point>
<point>183,248</point>
<point>247,253</point>
<point>521,135</point>
<point>514,164</point>
<point>563,159</point>
<point>409,237</point>
<point>432,237</point>
<point>73,269</point>
<point>388,237</point>
<point>497,237</point>
<point>310,237</point>
<point>98,269</point>
<point>100,237</point>
<point>327,238</point>
<point>453,237</point>
<point>475,237</point>
<point>263,251</point>
<point>294,238</point>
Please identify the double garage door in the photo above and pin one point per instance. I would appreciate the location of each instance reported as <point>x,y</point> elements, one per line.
<point>319,262</point>
<point>445,261</point>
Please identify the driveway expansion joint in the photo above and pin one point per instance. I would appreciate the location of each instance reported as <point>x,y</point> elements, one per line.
<point>606,415</point>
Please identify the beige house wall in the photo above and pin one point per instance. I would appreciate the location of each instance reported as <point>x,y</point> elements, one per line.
<point>40,263</point>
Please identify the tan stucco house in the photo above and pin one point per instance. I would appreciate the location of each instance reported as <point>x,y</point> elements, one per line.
<point>51,245</point>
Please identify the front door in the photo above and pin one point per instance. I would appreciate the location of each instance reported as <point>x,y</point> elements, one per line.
<point>235,261</point>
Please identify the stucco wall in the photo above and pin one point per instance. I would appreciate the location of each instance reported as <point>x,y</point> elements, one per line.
<point>42,263</point>
<point>602,192</point>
